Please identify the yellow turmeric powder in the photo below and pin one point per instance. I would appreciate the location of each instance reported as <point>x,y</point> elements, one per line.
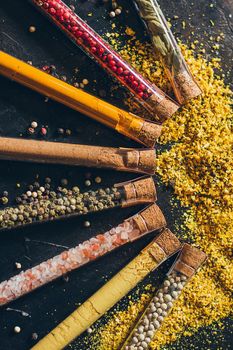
<point>199,166</point>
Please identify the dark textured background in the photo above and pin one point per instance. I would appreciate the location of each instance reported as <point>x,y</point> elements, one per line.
<point>19,106</point>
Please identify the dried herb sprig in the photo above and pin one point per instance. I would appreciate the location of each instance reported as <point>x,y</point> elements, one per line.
<point>165,44</point>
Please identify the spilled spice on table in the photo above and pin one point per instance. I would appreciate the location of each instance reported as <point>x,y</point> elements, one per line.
<point>199,166</point>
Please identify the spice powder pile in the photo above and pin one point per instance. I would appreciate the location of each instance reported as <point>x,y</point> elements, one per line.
<point>199,166</point>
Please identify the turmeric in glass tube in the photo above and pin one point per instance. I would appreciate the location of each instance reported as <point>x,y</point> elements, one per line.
<point>159,250</point>
<point>126,123</point>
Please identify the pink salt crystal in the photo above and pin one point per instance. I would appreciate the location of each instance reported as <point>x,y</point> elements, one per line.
<point>118,229</point>
<point>124,235</point>
<point>134,234</point>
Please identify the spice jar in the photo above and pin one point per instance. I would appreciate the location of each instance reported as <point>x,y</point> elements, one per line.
<point>165,44</point>
<point>146,93</point>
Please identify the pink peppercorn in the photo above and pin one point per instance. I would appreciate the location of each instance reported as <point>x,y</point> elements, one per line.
<point>93,49</point>
<point>141,87</point>
<point>79,33</point>
<point>43,131</point>
<point>100,50</point>
<point>120,70</point>
<point>112,63</point>
<point>46,5</point>
<point>135,84</point>
<point>86,36</point>
<point>110,57</point>
<point>60,12</point>
<point>131,78</point>
<point>66,15</point>
<point>140,94</point>
<point>74,29</point>
<point>52,10</point>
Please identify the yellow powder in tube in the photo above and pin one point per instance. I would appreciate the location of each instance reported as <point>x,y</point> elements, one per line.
<point>199,166</point>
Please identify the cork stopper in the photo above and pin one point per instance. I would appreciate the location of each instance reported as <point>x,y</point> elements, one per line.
<point>140,160</point>
<point>149,133</point>
<point>185,86</point>
<point>150,219</point>
<point>139,191</point>
<point>189,260</point>
<point>168,242</point>
<point>165,109</point>
<point>157,252</point>
<point>147,161</point>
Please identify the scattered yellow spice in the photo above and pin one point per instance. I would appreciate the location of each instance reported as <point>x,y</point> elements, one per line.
<point>129,31</point>
<point>199,166</point>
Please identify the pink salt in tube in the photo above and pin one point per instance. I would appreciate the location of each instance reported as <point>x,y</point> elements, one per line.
<point>146,93</point>
<point>131,229</point>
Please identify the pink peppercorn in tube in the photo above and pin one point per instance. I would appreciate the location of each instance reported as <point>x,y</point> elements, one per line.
<point>146,93</point>
<point>148,220</point>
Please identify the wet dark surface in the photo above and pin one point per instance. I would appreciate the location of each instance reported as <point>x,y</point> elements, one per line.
<point>19,106</point>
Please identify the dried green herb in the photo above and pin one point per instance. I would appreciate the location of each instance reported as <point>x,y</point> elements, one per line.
<point>161,37</point>
<point>165,44</point>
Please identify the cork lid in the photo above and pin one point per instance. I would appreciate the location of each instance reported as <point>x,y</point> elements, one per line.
<point>147,161</point>
<point>168,242</point>
<point>150,219</point>
<point>164,108</point>
<point>185,86</point>
<point>149,133</point>
<point>138,191</point>
<point>189,260</point>
<point>140,160</point>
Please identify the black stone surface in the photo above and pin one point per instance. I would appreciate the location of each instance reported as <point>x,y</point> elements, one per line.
<point>19,106</point>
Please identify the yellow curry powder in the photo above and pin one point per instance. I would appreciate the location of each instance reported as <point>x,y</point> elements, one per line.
<point>199,166</point>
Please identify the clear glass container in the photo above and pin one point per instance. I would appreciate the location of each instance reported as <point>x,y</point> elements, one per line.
<point>164,43</point>
<point>146,93</point>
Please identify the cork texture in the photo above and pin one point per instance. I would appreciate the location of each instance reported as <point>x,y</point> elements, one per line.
<point>135,160</point>
<point>149,133</point>
<point>168,241</point>
<point>185,86</point>
<point>153,217</point>
<point>131,158</point>
<point>157,252</point>
<point>147,161</point>
<point>140,222</point>
<point>192,256</point>
<point>184,269</point>
<point>145,189</point>
<point>139,191</point>
<point>165,109</point>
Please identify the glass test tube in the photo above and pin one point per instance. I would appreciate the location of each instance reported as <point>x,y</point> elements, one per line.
<point>148,220</point>
<point>146,93</point>
<point>159,250</point>
<point>74,203</point>
<point>187,263</point>
<point>122,159</point>
<point>183,83</point>
<point>126,123</point>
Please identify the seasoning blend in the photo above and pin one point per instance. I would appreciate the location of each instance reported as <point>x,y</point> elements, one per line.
<point>165,44</point>
<point>126,123</point>
<point>73,203</point>
<point>186,265</point>
<point>148,220</point>
<point>146,93</point>
<point>160,249</point>
<point>124,159</point>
